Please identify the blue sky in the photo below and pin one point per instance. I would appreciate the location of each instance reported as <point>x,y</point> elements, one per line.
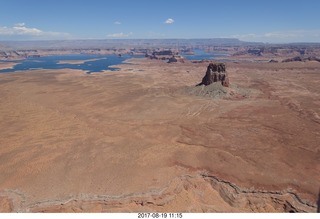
<point>249,20</point>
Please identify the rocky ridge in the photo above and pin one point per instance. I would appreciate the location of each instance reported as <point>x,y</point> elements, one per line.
<point>225,195</point>
<point>301,59</point>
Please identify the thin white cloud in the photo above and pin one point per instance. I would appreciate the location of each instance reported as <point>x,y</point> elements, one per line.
<point>20,24</point>
<point>20,29</point>
<point>119,35</point>
<point>169,21</point>
<point>288,34</point>
<point>117,22</point>
<point>282,36</point>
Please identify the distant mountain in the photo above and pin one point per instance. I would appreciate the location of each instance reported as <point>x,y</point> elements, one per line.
<point>109,43</point>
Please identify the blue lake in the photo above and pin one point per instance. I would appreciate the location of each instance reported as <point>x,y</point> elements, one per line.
<point>200,55</point>
<point>88,63</point>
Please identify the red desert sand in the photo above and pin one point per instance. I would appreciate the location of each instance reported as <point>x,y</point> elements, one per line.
<point>146,139</point>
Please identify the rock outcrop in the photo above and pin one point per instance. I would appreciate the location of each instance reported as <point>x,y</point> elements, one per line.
<point>300,59</point>
<point>160,55</point>
<point>216,73</point>
<point>176,59</point>
<point>294,59</point>
<point>172,59</point>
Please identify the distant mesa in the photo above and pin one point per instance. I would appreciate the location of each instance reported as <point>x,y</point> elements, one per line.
<point>172,59</point>
<point>312,58</point>
<point>165,55</point>
<point>256,52</point>
<point>294,59</point>
<point>160,55</point>
<point>301,59</point>
<point>176,58</point>
<point>216,73</point>
<point>169,55</point>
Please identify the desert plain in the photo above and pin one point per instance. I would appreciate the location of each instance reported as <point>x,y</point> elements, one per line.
<point>144,138</point>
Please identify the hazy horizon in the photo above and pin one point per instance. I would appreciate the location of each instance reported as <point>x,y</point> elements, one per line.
<point>132,41</point>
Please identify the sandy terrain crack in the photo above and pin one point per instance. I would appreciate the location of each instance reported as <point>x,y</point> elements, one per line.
<point>205,193</point>
<point>232,193</point>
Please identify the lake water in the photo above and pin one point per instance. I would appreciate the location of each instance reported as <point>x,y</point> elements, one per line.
<point>200,55</point>
<point>88,63</point>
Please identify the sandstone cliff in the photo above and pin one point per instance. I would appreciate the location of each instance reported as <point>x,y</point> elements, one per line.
<point>215,73</point>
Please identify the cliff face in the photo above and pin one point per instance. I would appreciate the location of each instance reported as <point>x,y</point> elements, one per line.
<point>216,73</point>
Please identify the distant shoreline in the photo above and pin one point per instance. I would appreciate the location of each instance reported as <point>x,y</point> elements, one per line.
<point>88,63</point>
<point>7,65</point>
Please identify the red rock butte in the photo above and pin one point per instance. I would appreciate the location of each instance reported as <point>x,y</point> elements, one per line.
<point>216,73</point>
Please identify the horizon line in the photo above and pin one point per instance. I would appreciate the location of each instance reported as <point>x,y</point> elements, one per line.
<point>123,39</point>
